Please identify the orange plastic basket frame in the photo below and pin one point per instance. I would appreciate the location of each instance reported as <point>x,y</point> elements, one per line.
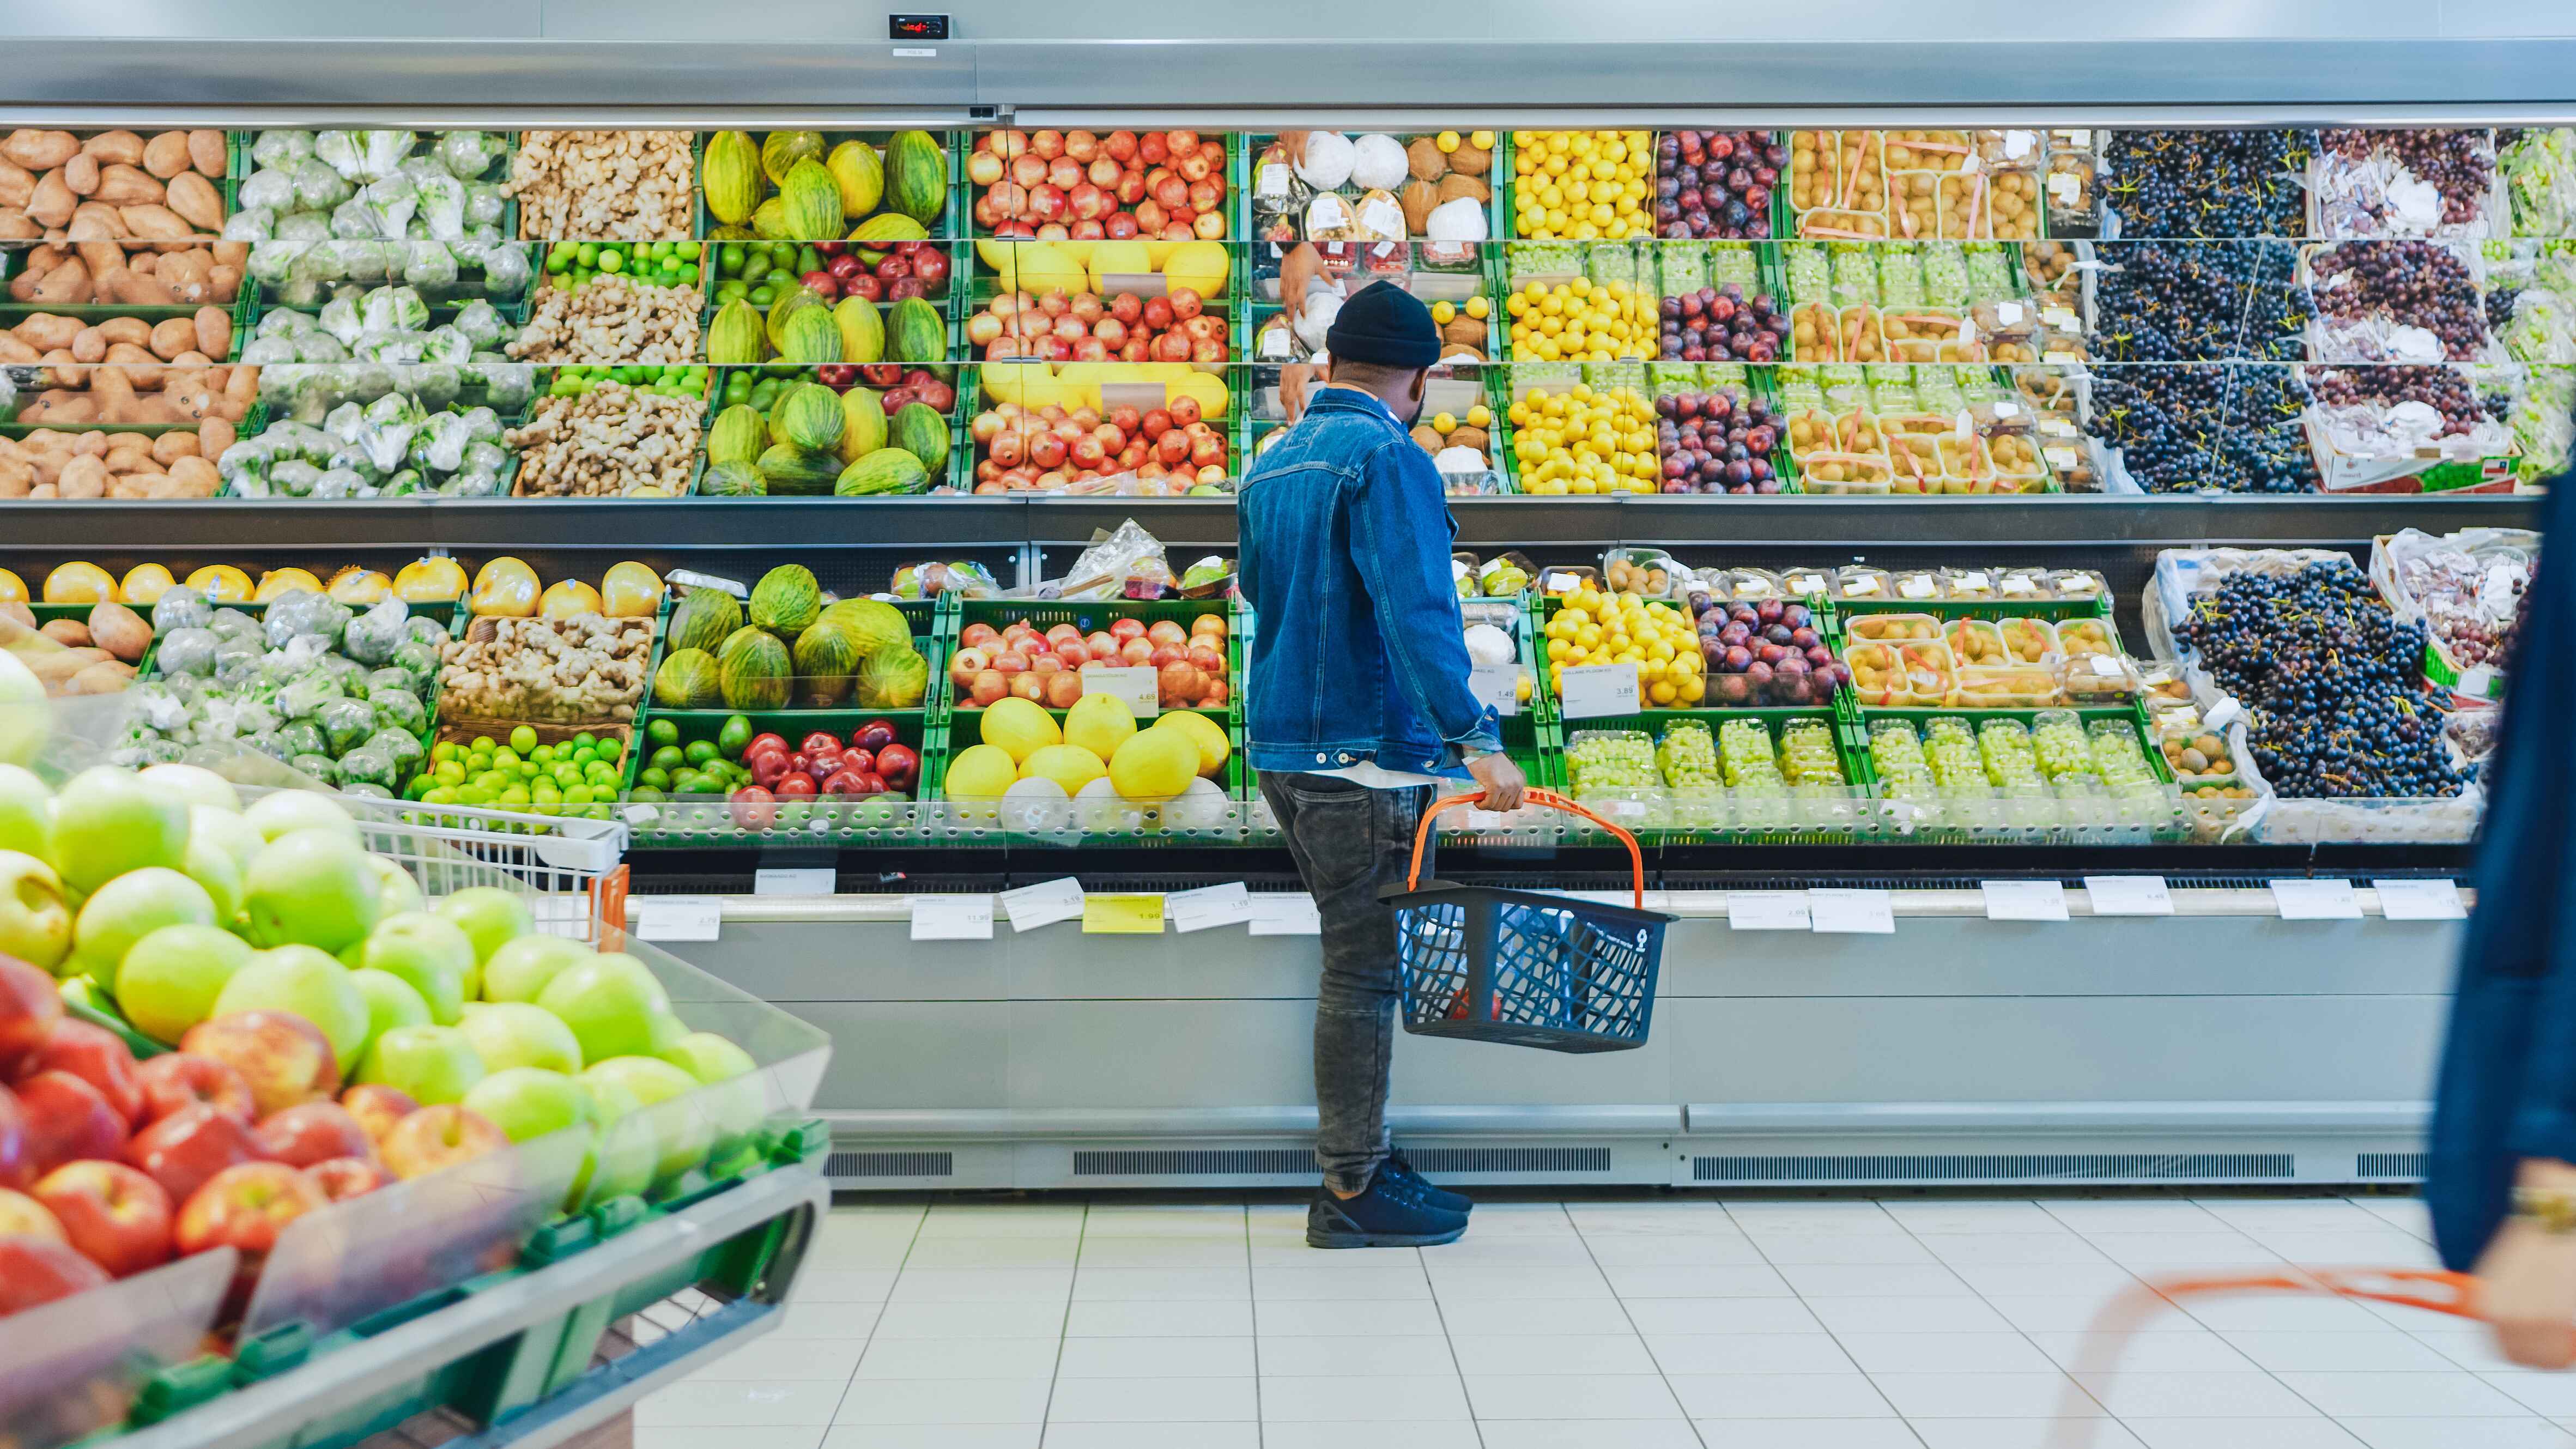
<point>1548,798</point>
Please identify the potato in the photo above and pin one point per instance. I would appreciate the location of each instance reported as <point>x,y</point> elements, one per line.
<point>15,351</point>
<point>89,345</point>
<point>130,452</point>
<point>92,443</point>
<point>195,477</point>
<point>188,276</point>
<point>214,436</point>
<point>53,202</point>
<point>169,448</point>
<point>81,174</point>
<point>172,336</point>
<point>213,329</point>
<point>206,153</point>
<point>40,150</point>
<point>231,253</point>
<point>83,477</point>
<point>195,198</point>
<point>17,184</point>
<point>17,475</point>
<point>122,147</point>
<point>69,633</point>
<point>120,631</point>
<point>127,329</point>
<point>155,223</point>
<point>225,282</point>
<point>105,677</point>
<point>45,331</point>
<point>166,155</point>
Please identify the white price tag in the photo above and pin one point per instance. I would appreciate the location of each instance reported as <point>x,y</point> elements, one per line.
<point>801,881</point>
<point>1767,911</point>
<point>2104,666</point>
<point>2008,314</point>
<point>1588,690</point>
<point>1560,582</point>
<point>1852,912</point>
<point>678,918</point>
<point>952,918</point>
<point>2420,900</point>
<point>1286,913</point>
<point>1217,905</point>
<point>1482,820</point>
<point>2316,900</point>
<point>2129,895</point>
<point>1043,904</point>
<point>1135,684</point>
<point>2024,900</point>
<point>1498,685</point>
<point>907,53</point>
<point>2018,144</point>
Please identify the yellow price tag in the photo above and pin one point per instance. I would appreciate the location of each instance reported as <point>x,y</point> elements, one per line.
<point>1122,915</point>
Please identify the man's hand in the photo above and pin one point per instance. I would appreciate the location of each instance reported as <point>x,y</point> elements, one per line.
<point>1297,272</point>
<point>1296,379</point>
<point>1503,781</point>
<point>2529,1278</point>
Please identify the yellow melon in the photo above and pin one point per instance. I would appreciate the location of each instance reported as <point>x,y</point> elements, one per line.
<point>1070,766</point>
<point>1205,735</point>
<point>981,772</point>
<point>1021,728</point>
<point>1099,723</point>
<point>80,583</point>
<point>1154,764</point>
<point>144,584</point>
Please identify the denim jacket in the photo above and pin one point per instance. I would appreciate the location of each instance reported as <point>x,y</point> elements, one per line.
<point>1357,651</point>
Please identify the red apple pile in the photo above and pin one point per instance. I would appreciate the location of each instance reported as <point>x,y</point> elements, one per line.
<point>898,383</point>
<point>992,664</point>
<point>1050,447</point>
<point>1085,327</point>
<point>821,766</point>
<point>109,1166</point>
<point>901,269</point>
<point>1082,186</point>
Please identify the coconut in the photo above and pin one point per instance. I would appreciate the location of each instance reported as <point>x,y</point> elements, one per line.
<point>1456,221</point>
<point>1377,162</point>
<point>1473,188</point>
<point>1470,159</point>
<point>1327,161</point>
<point>1424,435</point>
<point>1425,159</point>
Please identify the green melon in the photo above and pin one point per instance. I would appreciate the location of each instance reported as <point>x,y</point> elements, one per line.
<point>885,471</point>
<point>786,600</point>
<point>808,415</point>
<point>732,480</point>
<point>885,226</point>
<point>869,624</point>
<point>752,669</point>
<point>731,175</point>
<point>733,336</point>
<point>919,429</point>
<point>781,150</point>
<point>704,619</point>
<point>862,330</point>
<point>916,176</point>
<point>785,310</point>
<point>810,339</point>
<point>824,659</point>
<point>915,332</point>
<point>798,472</point>
<point>813,201</point>
<point>769,221</point>
<point>894,678</point>
<point>863,424</point>
<point>735,435</point>
<point>687,680</point>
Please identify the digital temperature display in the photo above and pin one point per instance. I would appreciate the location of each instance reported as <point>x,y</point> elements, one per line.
<point>916,27</point>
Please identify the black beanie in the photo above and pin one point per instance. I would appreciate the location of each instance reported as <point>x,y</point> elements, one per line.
<point>1386,325</point>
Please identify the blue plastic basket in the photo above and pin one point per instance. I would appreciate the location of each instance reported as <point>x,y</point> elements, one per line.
<point>1527,968</point>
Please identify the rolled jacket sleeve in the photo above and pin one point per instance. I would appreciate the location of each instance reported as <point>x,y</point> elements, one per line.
<point>1400,530</point>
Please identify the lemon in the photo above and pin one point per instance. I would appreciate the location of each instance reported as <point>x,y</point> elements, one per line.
<point>1444,423</point>
<point>1479,308</point>
<point>1447,141</point>
<point>1483,140</point>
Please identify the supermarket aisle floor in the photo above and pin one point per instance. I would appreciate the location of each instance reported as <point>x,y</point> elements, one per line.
<point>1646,1323</point>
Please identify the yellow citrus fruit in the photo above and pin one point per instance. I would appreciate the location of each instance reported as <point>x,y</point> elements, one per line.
<point>221,583</point>
<point>80,583</point>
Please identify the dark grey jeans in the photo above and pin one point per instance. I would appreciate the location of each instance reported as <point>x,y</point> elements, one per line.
<point>1348,841</point>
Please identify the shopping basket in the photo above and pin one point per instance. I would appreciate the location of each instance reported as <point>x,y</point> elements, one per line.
<point>1526,968</point>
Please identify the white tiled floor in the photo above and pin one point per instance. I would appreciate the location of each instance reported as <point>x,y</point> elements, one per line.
<point>1653,1322</point>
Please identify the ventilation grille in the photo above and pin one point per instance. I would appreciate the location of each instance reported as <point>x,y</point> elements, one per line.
<point>2390,1164</point>
<point>1509,1159</point>
<point>890,1164</point>
<point>1207,1162</point>
<point>2020,1167</point>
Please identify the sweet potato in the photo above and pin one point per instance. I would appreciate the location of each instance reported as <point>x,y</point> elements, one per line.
<point>89,345</point>
<point>111,388</point>
<point>189,276</point>
<point>172,336</point>
<point>122,147</point>
<point>46,331</point>
<point>127,329</point>
<point>206,152</point>
<point>69,633</point>
<point>81,174</point>
<point>214,329</point>
<point>129,452</point>
<point>231,253</point>
<point>124,186</point>
<point>136,289</point>
<point>16,352</point>
<point>17,473</point>
<point>214,436</point>
<point>166,155</point>
<point>154,223</point>
<point>83,477</point>
<point>169,448</point>
<point>14,226</point>
<point>195,198</point>
<point>101,256</point>
<point>39,150</point>
<point>17,184</point>
<point>197,477</point>
<point>64,286</point>
<point>53,201</point>
<point>225,282</point>
<point>97,221</point>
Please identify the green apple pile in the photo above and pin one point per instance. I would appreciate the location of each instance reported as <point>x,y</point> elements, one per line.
<point>156,898</point>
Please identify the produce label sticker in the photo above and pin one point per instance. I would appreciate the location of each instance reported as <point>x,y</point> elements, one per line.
<point>2316,900</point>
<point>1587,690</point>
<point>2024,900</point>
<point>1044,904</point>
<point>1498,685</point>
<point>1852,912</point>
<point>801,881</point>
<point>691,578</point>
<point>678,918</point>
<point>2420,900</point>
<point>1122,915</point>
<point>1217,905</point>
<point>952,918</point>
<point>2128,895</point>
<point>1135,684</point>
<point>1286,913</point>
<point>1768,911</point>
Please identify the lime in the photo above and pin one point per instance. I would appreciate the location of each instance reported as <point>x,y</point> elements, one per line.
<point>653,780</point>
<point>523,739</point>
<point>662,732</point>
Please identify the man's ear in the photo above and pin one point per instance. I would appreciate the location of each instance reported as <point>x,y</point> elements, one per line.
<point>1422,385</point>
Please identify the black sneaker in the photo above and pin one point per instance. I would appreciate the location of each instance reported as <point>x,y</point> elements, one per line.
<point>1401,1173</point>
<point>1388,1215</point>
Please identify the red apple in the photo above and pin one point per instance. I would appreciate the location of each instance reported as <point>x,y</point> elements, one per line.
<point>899,765</point>
<point>67,1120</point>
<point>245,1208</point>
<point>343,1178</point>
<point>175,1080</point>
<point>1166,631</point>
<point>312,1132</point>
<point>752,808</point>
<point>187,1147</point>
<point>283,1057</point>
<point>15,1170</point>
<point>95,1055</point>
<point>23,1215</point>
<point>29,1007</point>
<point>765,741</point>
<point>873,734</point>
<point>36,1271</point>
<point>438,1137</point>
<point>1063,689</point>
<point>377,1108</point>
<point>797,785</point>
<point>989,686</point>
<point>117,1217</point>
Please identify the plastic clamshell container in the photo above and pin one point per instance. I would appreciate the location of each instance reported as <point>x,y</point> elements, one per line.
<point>1977,687</point>
<point>2079,584</point>
<point>1909,676</point>
<point>72,1367</point>
<point>1977,643</point>
<point>2100,678</point>
<point>1892,628</point>
<point>1749,585</point>
<point>1863,583</point>
<point>1917,586</point>
<point>2179,747</point>
<point>1846,474</point>
<point>2077,638</point>
<point>1633,570</point>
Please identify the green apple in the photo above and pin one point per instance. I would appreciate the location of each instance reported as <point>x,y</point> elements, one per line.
<point>681,1132</point>
<point>516,1034</point>
<point>194,784</point>
<point>307,982</point>
<point>428,952</point>
<point>620,1162</point>
<point>26,812</point>
<point>210,865</point>
<point>127,909</point>
<point>609,1002</point>
<point>735,1099</point>
<point>396,891</point>
<point>435,1064</point>
<point>108,822</point>
<point>310,888</point>
<point>521,968</point>
<point>526,1102</point>
<point>708,1057</point>
<point>491,916</point>
<point>283,812</point>
<point>239,838</point>
<point>170,979</point>
<point>667,1030</point>
<point>391,1002</point>
<point>35,923</point>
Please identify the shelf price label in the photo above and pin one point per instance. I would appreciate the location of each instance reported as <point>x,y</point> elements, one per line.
<point>1768,911</point>
<point>818,880</point>
<point>1043,904</point>
<point>2024,900</point>
<point>678,918</point>
<point>1588,690</point>
<point>1122,915</point>
<point>2420,900</point>
<point>1852,912</point>
<point>1497,685</point>
<point>1217,905</point>
<point>2316,900</point>
<point>2129,895</point>
<point>1136,684</point>
<point>952,918</point>
<point>1286,913</point>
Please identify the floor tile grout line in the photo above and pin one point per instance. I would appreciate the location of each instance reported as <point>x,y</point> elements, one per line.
<point>1252,1310</point>
<point>1617,1297</point>
<point>1801,1299</point>
<point>874,1323</point>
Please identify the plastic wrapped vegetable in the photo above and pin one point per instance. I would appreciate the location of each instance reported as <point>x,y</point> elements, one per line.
<point>468,154</point>
<point>188,651</point>
<point>181,607</point>
<point>485,206</point>
<point>400,712</point>
<point>506,270</point>
<point>281,148</point>
<point>345,722</point>
<point>320,187</point>
<point>430,265</point>
<point>418,660</point>
<point>480,324</point>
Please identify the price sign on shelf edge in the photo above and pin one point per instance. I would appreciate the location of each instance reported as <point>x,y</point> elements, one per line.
<point>1587,691</point>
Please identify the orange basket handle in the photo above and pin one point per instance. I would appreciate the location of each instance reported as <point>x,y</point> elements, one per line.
<point>1548,798</point>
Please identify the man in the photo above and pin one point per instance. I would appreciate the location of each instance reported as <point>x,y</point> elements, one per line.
<point>2502,1178</point>
<point>1359,706</point>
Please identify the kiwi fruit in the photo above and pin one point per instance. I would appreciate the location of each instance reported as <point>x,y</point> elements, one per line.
<point>1471,160</point>
<point>1417,198</point>
<point>1425,160</point>
<point>1429,440</point>
<point>1454,186</point>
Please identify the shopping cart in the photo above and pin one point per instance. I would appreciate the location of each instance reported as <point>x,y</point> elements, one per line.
<point>2119,1320</point>
<point>1526,968</point>
<point>568,865</point>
